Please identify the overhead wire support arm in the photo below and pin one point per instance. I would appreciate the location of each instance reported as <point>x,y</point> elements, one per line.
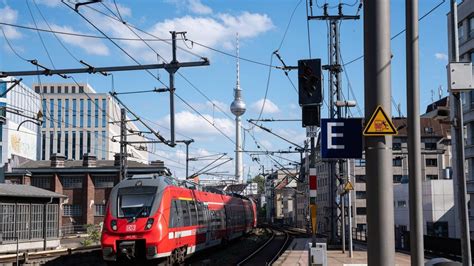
<point>15,83</point>
<point>50,72</point>
<point>274,134</point>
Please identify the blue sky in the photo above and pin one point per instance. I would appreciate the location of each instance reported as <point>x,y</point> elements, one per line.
<point>261,26</point>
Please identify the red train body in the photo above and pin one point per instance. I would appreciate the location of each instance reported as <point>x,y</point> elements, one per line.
<point>155,218</point>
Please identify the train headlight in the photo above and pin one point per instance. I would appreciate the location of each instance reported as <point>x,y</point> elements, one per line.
<point>113,224</point>
<point>149,223</point>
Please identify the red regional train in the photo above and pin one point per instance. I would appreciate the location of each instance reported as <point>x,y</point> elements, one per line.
<point>152,217</point>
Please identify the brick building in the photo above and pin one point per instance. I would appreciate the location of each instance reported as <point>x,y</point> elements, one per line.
<point>86,183</point>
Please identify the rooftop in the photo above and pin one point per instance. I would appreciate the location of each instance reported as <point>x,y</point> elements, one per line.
<point>25,191</point>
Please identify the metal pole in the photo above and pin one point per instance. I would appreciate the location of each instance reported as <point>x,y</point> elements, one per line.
<point>187,159</point>
<point>312,164</point>
<point>457,133</point>
<point>123,144</point>
<point>378,150</point>
<point>414,135</point>
<point>350,207</point>
<point>342,198</point>
<point>171,72</point>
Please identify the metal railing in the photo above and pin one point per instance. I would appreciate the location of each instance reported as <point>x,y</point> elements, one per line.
<point>75,229</point>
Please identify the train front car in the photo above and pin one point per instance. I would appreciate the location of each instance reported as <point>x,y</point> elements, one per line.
<point>133,225</point>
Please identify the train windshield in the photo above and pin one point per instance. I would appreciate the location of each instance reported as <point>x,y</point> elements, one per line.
<point>135,202</point>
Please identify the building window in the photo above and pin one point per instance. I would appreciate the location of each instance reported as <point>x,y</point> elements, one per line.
<point>430,145</point>
<point>81,89</point>
<point>96,142</point>
<point>360,162</point>
<point>96,113</point>
<point>45,89</point>
<point>431,162</point>
<point>401,204</point>
<point>58,148</point>
<point>88,142</point>
<point>43,148</point>
<point>37,89</point>
<point>72,210</point>
<point>66,112</point>
<point>51,143</point>
<point>73,89</point>
<point>51,89</point>
<point>438,229</point>
<point>104,181</point>
<point>104,112</point>
<point>361,195</point>
<point>361,211</point>
<point>73,154</point>
<point>104,139</point>
<point>72,181</point>
<point>44,113</point>
<point>66,89</point>
<point>89,112</point>
<point>51,113</point>
<point>432,177</point>
<point>397,161</point>
<point>59,89</point>
<point>81,113</point>
<point>397,178</point>
<point>460,31</point>
<point>81,145</point>
<point>66,144</point>
<point>41,182</point>
<point>397,146</point>
<point>74,112</point>
<point>360,179</point>
<point>99,210</point>
<point>471,27</point>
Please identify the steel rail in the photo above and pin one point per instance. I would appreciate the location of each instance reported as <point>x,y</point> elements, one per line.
<point>259,249</point>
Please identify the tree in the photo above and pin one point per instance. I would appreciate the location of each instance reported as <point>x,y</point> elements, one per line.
<point>260,180</point>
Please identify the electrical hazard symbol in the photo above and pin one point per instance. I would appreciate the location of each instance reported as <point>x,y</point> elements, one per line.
<point>379,124</point>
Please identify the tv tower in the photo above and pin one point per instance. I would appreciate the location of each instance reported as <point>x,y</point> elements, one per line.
<point>238,108</point>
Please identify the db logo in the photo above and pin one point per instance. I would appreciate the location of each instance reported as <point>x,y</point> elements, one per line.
<point>131,227</point>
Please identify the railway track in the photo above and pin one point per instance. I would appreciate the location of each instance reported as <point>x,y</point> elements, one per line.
<point>46,255</point>
<point>269,252</point>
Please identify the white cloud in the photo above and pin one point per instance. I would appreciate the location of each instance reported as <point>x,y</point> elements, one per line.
<point>89,45</point>
<point>441,56</point>
<point>217,31</point>
<point>269,108</point>
<point>197,7</point>
<point>191,124</point>
<point>9,15</point>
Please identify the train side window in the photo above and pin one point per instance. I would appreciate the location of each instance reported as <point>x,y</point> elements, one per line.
<point>192,212</point>
<point>200,213</point>
<point>174,214</point>
<point>185,212</point>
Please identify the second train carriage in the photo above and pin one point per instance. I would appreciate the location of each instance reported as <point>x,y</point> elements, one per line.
<point>156,216</point>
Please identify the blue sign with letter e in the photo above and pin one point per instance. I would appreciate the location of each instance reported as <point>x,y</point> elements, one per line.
<point>341,138</point>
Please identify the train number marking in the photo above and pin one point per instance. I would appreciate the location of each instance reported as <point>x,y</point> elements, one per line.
<point>131,227</point>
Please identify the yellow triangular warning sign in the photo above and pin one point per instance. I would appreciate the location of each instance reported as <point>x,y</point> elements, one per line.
<point>379,124</point>
<point>348,186</point>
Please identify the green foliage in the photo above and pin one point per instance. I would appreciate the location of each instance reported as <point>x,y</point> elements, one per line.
<point>93,235</point>
<point>260,180</point>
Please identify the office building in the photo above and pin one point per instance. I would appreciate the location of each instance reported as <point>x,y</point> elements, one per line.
<point>78,120</point>
<point>465,12</point>
<point>19,124</point>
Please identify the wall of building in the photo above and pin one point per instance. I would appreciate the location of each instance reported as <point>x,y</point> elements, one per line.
<point>438,206</point>
<point>76,114</point>
<point>22,104</point>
